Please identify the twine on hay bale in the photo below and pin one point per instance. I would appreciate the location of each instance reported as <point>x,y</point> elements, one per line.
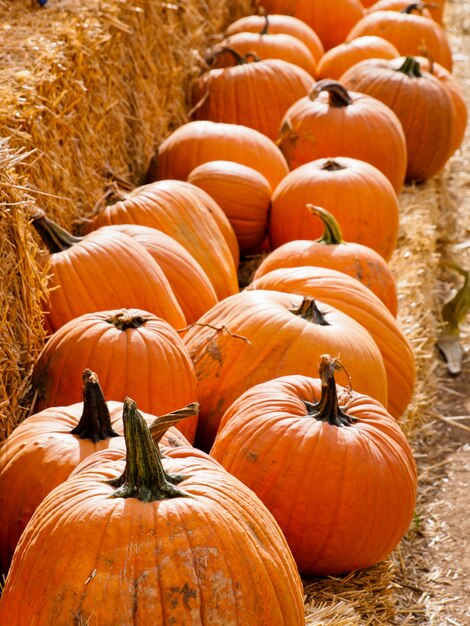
<point>88,88</point>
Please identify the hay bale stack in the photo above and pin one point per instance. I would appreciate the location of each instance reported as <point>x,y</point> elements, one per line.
<point>88,88</point>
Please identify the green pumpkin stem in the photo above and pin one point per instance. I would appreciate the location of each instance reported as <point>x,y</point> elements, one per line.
<point>338,95</point>
<point>328,409</point>
<point>331,230</point>
<point>144,477</point>
<point>309,311</point>
<point>125,319</point>
<point>95,422</point>
<point>410,67</point>
<point>56,238</point>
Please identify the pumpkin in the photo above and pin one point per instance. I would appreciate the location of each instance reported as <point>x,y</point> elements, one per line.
<point>175,207</point>
<point>43,450</point>
<point>351,297</point>
<point>410,34</point>
<point>277,24</point>
<point>148,551</point>
<point>189,282</point>
<point>100,271</point>
<point>244,195</point>
<point>340,58</point>
<point>255,94</point>
<point>331,465</point>
<point>358,195</point>
<point>130,350</point>
<point>195,143</point>
<point>421,103</point>
<point>257,335</point>
<point>432,9</point>
<point>331,251</point>
<point>310,130</point>
<point>264,46</point>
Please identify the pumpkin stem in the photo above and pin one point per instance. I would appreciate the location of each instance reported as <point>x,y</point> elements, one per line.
<point>331,229</point>
<point>159,427</point>
<point>95,422</point>
<point>56,238</point>
<point>338,95</point>
<point>309,311</point>
<point>328,409</point>
<point>416,6</point>
<point>410,68</point>
<point>330,165</point>
<point>265,29</point>
<point>144,477</point>
<point>125,319</point>
<point>239,60</point>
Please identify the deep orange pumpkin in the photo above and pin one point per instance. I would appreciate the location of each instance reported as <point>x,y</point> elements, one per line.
<point>358,195</point>
<point>431,9</point>
<point>421,103</point>
<point>351,297</point>
<point>101,271</point>
<point>330,250</point>
<point>149,551</point>
<point>332,466</point>
<point>255,94</point>
<point>198,142</point>
<point>244,195</point>
<point>276,24</point>
<point>331,120</point>
<point>257,335</point>
<point>175,207</point>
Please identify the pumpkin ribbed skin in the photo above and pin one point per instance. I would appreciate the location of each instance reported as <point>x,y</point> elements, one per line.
<point>421,103</point>
<point>256,335</point>
<point>331,251</point>
<point>357,194</point>
<point>343,495</point>
<point>409,33</point>
<point>216,557</point>
<point>277,24</point>
<point>266,46</point>
<point>340,58</point>
<point>197,142</point>
<point>40,454</point>
<point>310,131</point>
<point>174,207</point>
<point>101,271</point>
<point>255,94</point>
<point>189,282</point>
<point>244,195</point>
<point>132,351</point>
<point>354,299</point>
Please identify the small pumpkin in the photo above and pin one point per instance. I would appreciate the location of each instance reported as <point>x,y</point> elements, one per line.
<point>331,465</point>
<point>159,540</point>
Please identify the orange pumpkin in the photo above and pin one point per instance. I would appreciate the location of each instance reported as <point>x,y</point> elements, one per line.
<point>195,143</point>
<point>432,9</point>
<point>421,103</point>
<point>340,58</point>
<point>359,196</point>
<point>132,351</point>
<point>244,195</point>
<point>332,466</point>
<point>310,130</point>
<point>258,335</point>
<point>277,24</point>
<point>103,270</point>
<point>410,34</point>
<point>265,46</point>
<point>204,550</point>
<point>175,207</point>
<point>255,94</point>
<point>351,297</point>
<point>330,250</point>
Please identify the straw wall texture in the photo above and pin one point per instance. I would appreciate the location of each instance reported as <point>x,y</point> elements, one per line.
<point>88,88</point>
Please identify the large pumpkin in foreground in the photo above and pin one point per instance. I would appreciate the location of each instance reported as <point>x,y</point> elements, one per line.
<point>137,544</point>
<point>332,466</point>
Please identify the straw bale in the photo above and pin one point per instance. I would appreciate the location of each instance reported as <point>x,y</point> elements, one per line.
<point>88,88</point>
